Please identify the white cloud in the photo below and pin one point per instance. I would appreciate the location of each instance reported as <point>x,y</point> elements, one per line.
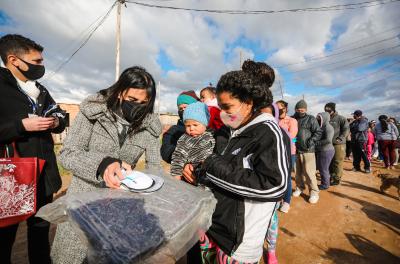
<point>199,45</point>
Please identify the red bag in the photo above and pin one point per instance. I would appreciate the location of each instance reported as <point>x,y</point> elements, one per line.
<point>18,184</point>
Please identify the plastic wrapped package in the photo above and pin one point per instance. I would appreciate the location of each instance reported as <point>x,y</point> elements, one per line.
<point>125,227</point>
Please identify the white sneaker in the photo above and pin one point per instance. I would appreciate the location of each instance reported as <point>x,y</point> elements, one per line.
<point>297,192</point>
<point>284,207</point>
<point>313,199</point>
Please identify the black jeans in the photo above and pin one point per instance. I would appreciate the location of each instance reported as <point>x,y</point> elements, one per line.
<point>38,238</point>
<point>349,146</point>
<point>358,154</point>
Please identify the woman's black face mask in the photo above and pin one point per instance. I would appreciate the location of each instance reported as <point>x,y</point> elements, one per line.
<point>132,111</point>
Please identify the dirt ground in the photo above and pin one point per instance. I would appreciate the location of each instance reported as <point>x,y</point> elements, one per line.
<point>351,223</point>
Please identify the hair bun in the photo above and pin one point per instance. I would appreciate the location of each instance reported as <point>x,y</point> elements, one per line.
<point>260,71</point>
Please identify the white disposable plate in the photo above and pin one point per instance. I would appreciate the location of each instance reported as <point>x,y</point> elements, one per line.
<point>137,180</point>
<point>158,182</point>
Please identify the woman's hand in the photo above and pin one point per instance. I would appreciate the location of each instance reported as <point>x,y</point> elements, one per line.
<point>188,173</point>
<point>127,167</point>
<point>113,175</point>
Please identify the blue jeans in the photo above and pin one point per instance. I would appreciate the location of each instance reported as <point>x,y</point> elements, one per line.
<point>288,195</point>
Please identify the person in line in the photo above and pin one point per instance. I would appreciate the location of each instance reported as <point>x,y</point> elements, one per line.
<point>309,133</point>
<point>375,147</point>
<point>359,136</point>
<point>208,96</point>
<point>341,131</point>
<point>272,234</point>
<point>197,143</point>
<point>23,101</point>
<point>249,170</point>
<point>112,130</point>
<point>170,138</point>
<point>290,125</point>
<point>324,150</point>
<point>370,141</point>
<point>397,143</point>
<point>349,145</point>
<point>387,134</point>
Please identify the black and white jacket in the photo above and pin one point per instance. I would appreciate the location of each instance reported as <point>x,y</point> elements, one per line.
<point>248,177</point>
<point>192,150</point>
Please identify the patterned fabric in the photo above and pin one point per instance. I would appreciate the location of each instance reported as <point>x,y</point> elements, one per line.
<point>272,234</point>
<point>191,150</point>
<point>212,254</point>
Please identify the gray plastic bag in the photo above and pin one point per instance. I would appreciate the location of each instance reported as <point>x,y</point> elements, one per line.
<point>124,227</point>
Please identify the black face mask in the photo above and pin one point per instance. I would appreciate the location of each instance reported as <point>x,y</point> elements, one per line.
<point>34,71</point>
<point>300,115</point>
<point>132,111</point>
<point>281,111</point>
<point>180,114</point>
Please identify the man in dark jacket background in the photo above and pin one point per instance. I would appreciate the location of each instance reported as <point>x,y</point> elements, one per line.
<point>359,136</point>
<point>23,102</point>
<point>307,136</point>
<point>341,131</point>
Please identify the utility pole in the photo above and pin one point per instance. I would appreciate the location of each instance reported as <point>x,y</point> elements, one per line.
<point>117,53</point>
<point>240,59</point>
<point>158,97</point>
<point>281,88</point>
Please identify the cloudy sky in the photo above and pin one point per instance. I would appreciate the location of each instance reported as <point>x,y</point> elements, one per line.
<point>351,57</point>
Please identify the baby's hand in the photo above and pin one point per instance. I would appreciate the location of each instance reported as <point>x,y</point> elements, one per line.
<point>178,178</point>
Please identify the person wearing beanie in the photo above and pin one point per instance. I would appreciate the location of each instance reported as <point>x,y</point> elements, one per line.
<point>301,104</point>
<point>196,144</point>
<point>171,136</point>
<point>341,131</point>
<point>307,137</point>
<point>187,98</point>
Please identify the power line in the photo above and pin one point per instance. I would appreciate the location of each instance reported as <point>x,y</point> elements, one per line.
<point>361,77</point>
<point>316,57</point>
<point>83,43</point>
<point>71,44</point>
<point>260,12</point>
<point>366,55</point>
<point>344,65</point>
<point>365,76</point>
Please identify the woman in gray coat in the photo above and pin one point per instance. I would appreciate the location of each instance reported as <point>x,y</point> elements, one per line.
<point>111,131</point>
